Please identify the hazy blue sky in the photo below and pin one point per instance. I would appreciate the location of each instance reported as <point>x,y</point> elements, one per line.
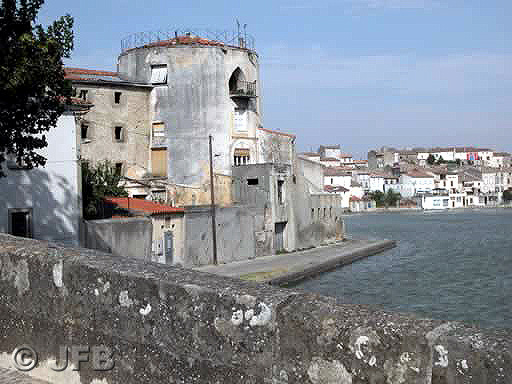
<point>361,73</point>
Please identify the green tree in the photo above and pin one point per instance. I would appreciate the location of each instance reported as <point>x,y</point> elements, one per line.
<point>378,197</point>
<point>98,182</point>
<point>431,159</point>
<point>440,160</point>
<point>507,195</point>
<point>32,80</point>
<point>391,198</point>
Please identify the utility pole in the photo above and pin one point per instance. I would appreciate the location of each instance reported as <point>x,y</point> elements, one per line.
<point>214,226</point>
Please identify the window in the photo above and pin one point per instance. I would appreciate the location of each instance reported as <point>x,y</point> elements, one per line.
<point>280,192</point>
<point>252,181</point>
<point>20,222</point>
<point>118,133</point>
<point>158,134</point>
<point>241,157</point>
<point>159,162</point>
<point>159,74</point>
<point>240,122</point>
<point>312,213</point>
<point>83,94</point>
<point>117,97</point>
<point>119,169</point>
<point>332,181</point>
<point>84,131</point>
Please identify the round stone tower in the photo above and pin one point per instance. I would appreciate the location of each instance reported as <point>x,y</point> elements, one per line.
<point>203,85</point>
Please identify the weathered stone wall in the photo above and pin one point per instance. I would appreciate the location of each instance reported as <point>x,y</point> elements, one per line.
<point>167,324</point>
<point>237,234</point>
<point>132,114</point>
<point>128,237</point>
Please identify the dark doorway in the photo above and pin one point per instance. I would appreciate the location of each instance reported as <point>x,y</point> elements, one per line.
<point>20,222</point>
<point>279,237</point>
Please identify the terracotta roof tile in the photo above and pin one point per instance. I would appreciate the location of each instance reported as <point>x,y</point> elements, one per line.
<point>141,205</point>
<point>334,188</point>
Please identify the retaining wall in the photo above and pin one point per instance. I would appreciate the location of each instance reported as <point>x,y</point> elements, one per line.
<point>167,324</point>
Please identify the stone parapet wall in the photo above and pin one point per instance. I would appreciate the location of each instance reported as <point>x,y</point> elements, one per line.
<point>167,324</point>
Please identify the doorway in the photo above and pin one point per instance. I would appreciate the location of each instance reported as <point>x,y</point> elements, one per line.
<point>279,237</point>
<point>20,222</point>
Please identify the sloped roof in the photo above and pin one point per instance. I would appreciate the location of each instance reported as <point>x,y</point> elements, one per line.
<point>98,76</point>
<point>276,132</point>
<point>141,205</point>
<point>418,174</point>
<point>336,171</point>
<point>333,188</point>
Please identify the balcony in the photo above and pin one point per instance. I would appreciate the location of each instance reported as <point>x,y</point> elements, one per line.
<point>244,89</point>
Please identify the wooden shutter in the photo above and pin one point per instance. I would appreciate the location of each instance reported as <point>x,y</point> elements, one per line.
<point>159,162</point>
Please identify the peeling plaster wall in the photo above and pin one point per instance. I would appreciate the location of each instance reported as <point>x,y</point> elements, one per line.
<point>167,324</point>
<point>132,113</point>
<point>195,103</point>
<point>237,234</point>
<point>127,237</point>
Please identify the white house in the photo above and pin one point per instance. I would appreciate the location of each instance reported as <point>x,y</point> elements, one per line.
<point>337,177</point>
<point>46,203</point>
<point>500,159</point>
<point>391,183</point>
<point>346,158</point>
<point>345,194</point>
<point>416,182</point>
<point>376,182</point>
<point>435,202</point>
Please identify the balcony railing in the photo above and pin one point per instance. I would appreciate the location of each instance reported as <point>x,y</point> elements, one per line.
<point>244,89</point>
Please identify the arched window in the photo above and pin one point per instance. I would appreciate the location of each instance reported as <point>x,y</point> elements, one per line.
<point>236,81</point>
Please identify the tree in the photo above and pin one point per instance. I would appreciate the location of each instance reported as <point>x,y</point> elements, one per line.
<point>431,159</point>
<point>32,81</point>
<point>391,198</point>
<point>98,182</point>
<point>440,160</point>
<point>378,197</point>
<point>507,195</point>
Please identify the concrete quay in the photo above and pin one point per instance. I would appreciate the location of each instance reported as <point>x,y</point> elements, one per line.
<point>288,268</point>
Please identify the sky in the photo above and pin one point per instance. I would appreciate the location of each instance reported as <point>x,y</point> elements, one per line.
<point>359,73</point>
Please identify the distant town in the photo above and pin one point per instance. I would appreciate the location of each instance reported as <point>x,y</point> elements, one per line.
<point>426,178</point>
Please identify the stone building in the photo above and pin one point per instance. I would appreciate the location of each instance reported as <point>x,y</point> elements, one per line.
<point>153,117</point>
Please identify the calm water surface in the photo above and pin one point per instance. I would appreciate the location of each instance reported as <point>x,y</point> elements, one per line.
<point>448,265</point>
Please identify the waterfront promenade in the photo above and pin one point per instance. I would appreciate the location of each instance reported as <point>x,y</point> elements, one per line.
<point>292,267</point>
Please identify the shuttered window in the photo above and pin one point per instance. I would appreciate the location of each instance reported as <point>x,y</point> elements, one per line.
<point>158,134</point>
<point>159,162</point>
<point>159,74</point>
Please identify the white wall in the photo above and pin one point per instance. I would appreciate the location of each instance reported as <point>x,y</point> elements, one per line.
<point>338,181</point>
<point>376,184</point>
<point>435,202</point>
<point>52,192</point>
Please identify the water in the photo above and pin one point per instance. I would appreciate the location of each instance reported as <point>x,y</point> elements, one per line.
<point>447,265</point>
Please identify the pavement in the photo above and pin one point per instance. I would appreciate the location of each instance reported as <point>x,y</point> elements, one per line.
<point>292,267</point>
<point>12,376</point>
